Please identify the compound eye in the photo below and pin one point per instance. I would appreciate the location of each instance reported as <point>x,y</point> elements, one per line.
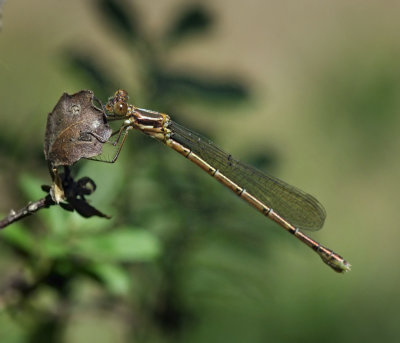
<point>120,108</point>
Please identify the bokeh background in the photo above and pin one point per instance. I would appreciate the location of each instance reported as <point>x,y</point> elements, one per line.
<point>306,90</point>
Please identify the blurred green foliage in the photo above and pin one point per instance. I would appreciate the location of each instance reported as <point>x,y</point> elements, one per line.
<point>360,97</point>
<point>165,212</point>
<point>182,259</point>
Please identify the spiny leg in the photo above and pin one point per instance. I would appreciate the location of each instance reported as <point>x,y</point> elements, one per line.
<point>101,140</point>
<point>123,128</point>
<point>123,132</point>
<point>97,101</point>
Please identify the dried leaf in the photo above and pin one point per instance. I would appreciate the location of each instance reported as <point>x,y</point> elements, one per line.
<point>75,129</point>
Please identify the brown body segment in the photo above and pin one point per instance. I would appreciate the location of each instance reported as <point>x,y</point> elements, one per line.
<point>335,261</point>
<point>158,125</point>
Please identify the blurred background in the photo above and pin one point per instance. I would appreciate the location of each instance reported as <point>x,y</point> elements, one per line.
<point>305,90</point>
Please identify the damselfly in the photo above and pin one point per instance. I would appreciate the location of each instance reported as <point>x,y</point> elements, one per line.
<point>288,206</point>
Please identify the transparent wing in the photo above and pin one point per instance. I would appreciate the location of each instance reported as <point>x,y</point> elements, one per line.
<point>299,208</point>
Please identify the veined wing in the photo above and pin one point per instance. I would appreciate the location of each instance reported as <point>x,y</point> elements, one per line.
<point>297,207</point>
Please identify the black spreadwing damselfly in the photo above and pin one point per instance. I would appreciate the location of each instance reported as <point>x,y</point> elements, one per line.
<point>286,205</point>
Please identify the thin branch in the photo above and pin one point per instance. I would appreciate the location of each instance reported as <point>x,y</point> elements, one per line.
<point>64,191</point>
<point>28,210</point>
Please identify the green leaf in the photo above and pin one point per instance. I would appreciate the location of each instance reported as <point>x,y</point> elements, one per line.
<point>52,247</point>
<point>31,187</point>
<point>109,184</point>
<point>19,237</point>
<point>114,277</point>
<point>94,225</point>
<point>55,218</point>
<point>122,245</point>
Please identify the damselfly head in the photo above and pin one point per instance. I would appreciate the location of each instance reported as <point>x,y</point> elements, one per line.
<point>120,108</point>
<point>118,104</point>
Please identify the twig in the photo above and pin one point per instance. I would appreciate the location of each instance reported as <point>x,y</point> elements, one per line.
<point>29,209</point>
<point>64,191</point>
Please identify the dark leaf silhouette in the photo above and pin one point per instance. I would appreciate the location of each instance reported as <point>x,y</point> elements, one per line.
<point>120,16</point>
<point>263,160</point>
<point>75,192</point>
<point>206,88</point>
<point>97,79</point>
<point>193,20</point>
<point>1,4</point>
<point>75,129</point>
